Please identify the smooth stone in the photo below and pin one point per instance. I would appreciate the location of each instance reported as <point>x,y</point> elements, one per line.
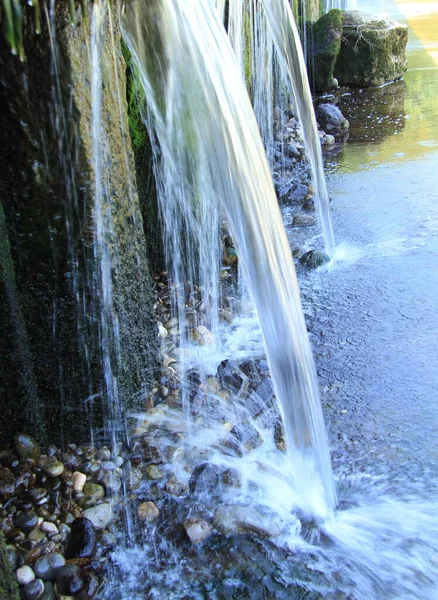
<point>69,580</point>
<point>53,467</point>
<point>331,119</point>
<point>7,484</point>
<point>49,528</point>
<point>108,540</point>
<point>314,259</point>
<point>90,588</point>
<point>235,519</point>
<point>135,478</point>
<point>119,461</point>
<point>49,591</point>
<point>147,511</point>
<point>45,567</point>
<point>37,494</point>
<point>303,221</point>
<point>33,590</point>
<point>36,535</point>
<point>24,575</point>
<point>26,446</point>
<point>99,515</point>
<point>112,481</point>
<point>95,490</point>
<point>204,478</point>
<point>26,521</point>
<point>104,454</point>
<point>79,479</point>
<point>82,542</point>
<point>197,530</point>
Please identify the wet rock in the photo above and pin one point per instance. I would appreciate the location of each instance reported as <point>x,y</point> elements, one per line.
<point>94,490</point>
<point>197,530</point>
<point>90,587</point>
<point>45,567</point>
<point>303,221</point>
<point>332,120</point>
<point>202,336</point>
<point>373,50</point>
<point>153,472</point>
<point>25,575</point>
<point>26,446</point>
<point>53,467</point>
<point>82,542</point>
<point>49,591</point>
<point>12,557</point>
<point>49,528</point>
<point>204,478</point>
<point>107,540</point>
<point>314,259</point>
<point>326,45</point>
<point>69,580</point>
<point>36,535</point>
<point>237,519</point>
<point>298,193</point>
<point>33,590</point>
<point>147,511</point>
<point>230,375</point>
<point>175,487</point>
<point>26,521</point>
<point>243,437</point>
<point>99,515</point>
<point>7,484</point>
<point>104,454</point>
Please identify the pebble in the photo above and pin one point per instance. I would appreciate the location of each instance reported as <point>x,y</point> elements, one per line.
<point>69,580</point>
<point>147,511</point>
<point>202,336</point>
<point>82,542</point>
<point>26,521</point>
<point>49,528</point>
<point>26,447</point>
<point>303,221</point>
<point>103,454</point>
<point>33,590</point>
<point>53,467</point>
<point>235,519</point>
<point>25,575</point>
<point>45,567</point>
<point>153,472</point>
<point>197,530</point>
<point>99,515</point>
<point>49,591</point>
<point>79,479</point>
<point>36,535</point>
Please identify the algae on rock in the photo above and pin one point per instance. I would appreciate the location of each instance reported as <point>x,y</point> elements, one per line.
<point>327,33</point>
<point>373,50</point>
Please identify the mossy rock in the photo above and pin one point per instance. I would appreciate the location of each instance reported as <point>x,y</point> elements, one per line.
<point>373,50</point>
<point>327,33</point>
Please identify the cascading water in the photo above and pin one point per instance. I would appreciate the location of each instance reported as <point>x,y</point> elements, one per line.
<point>209,156</point>
<point>341,4</point>
<point>278,79</point>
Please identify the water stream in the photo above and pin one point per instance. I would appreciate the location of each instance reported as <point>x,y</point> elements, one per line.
<point>223,165</point>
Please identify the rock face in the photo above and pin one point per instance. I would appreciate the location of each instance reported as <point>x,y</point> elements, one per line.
<point>373,50</point>
<point>49,269</point>
<point>327,33</point>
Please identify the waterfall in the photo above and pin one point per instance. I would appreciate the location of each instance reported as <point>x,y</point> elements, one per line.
<point>210,160</point>
<point>341,4</point>
<point>279,79</point>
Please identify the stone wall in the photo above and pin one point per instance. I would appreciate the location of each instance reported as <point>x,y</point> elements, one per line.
<point>51,334</point>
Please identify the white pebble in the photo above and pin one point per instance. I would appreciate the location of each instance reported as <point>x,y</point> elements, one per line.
<point>49,528</point>
<point>25,575</point>
<point>79,480</point>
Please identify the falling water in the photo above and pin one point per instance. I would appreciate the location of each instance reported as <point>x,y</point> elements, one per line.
<point>341,4</point>
<point>210,156</point>
<point>279,79</point>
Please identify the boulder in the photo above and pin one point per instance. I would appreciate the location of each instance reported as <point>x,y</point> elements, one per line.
<point>327,33</point>
<point>332,120</point>
<point>373,50</point>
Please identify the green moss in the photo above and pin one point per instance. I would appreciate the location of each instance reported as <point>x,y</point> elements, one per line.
<point>136,99</point>
<point>327,35</point>
<point>8,583</point>
<point>247,57</point>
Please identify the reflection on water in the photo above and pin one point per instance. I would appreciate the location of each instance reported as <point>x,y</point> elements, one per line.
<point>398,122</point>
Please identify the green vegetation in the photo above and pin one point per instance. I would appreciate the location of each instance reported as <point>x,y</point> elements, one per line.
<point>8,584</point>
<point>327,36</point>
